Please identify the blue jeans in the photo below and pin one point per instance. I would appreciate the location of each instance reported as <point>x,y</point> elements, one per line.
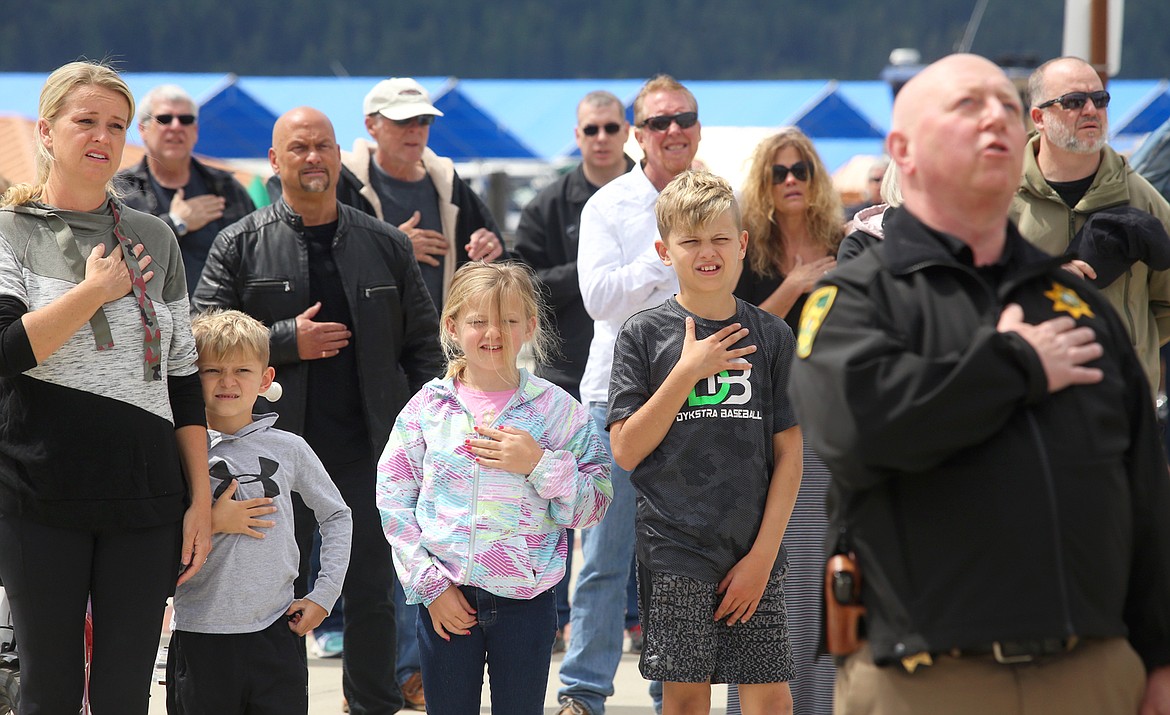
<point>563,608</point>
<point>513,637</point>
<point>599,603</point>
<point>407,616</point>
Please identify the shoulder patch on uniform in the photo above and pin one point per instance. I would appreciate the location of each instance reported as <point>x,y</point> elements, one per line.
<point>812,317</point>
<point>1066,300</point>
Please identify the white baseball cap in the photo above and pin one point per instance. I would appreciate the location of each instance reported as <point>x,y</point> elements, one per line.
<point>399,98</point>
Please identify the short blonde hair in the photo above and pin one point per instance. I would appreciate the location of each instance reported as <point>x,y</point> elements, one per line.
<point>230,333</point>
<point>489,285</point>
<point>694,199</point>
<point>57,90</point>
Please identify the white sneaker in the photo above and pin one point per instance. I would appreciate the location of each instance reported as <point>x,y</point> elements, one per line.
<point>326,645</point>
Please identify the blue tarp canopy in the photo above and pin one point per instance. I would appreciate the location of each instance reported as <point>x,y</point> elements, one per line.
<point>534,119</point>
<point>340,98</point>
<point>232,124</point>
<point>833,116</point>
<point>543,112</point>
<point>756,103</point>
<point>466,132</point>
<point>1146,114</point>
<point>873,98</point>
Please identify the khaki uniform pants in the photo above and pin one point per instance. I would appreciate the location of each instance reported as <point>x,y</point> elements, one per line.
<point>1098,677</point>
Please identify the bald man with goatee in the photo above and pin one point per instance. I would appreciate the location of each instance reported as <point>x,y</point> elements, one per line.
<point>353,335</point>
<point>997,475</point>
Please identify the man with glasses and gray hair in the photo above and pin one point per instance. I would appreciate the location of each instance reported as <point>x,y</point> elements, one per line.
<point>620,274</point>
<point>1079,193</point>
<point>195,200</point>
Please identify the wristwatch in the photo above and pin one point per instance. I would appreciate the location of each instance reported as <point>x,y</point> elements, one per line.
<point>179,224</point>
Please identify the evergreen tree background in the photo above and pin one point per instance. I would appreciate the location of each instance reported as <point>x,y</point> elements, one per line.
<point>692,39</point>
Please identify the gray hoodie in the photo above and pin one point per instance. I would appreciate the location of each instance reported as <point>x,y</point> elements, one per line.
<point>247,582</point>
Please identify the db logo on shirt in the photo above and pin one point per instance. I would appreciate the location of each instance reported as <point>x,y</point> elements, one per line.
<point>723,388</point>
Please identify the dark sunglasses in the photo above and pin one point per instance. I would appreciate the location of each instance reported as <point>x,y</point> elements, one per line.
<point>800,170</point>
<point>590,130</point>
<point>423,120</point>
<point>684,120</point>
<point>184,119</point>
<point>1074,101</point>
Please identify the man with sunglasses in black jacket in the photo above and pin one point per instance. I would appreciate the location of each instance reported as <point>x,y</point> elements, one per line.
<point>1070,173</point>
<point>546,238</point>
<point>197,201</point>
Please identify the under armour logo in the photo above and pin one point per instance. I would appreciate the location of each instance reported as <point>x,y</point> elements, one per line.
<point>268,467</point>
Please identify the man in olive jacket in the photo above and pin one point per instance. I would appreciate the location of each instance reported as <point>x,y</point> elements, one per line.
<point>1070,173</point>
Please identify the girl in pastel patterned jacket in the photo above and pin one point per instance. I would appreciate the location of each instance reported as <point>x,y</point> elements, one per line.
<point>484,471</point>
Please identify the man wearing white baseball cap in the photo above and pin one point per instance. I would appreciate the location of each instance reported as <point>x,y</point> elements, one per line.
<point>411,187</point>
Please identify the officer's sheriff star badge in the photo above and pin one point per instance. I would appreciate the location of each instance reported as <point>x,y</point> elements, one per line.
<point>1066,300</point>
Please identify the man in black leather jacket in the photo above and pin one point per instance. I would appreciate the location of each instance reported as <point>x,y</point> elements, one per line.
<point>353,335</point>
<point>995,460</point>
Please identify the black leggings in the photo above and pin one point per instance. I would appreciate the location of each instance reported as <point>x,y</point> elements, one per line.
<point>49,574</point>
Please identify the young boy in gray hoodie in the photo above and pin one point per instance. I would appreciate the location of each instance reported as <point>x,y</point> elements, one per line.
<point>236,645</point>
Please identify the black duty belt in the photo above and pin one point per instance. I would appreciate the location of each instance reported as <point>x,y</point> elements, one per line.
<point>1020,651</point>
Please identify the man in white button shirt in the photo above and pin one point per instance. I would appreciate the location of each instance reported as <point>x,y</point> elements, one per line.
<point>620,274</point>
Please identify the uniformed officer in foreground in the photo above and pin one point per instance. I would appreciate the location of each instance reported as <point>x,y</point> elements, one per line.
<point>995,459</point>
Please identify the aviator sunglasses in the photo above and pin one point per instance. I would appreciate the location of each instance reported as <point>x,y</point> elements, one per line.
<point>184,119</point>
<point>1074,101</point>
<point>684,120</point>
<point>423,120</point>
<point>800,170</point>
<point>591,130</point>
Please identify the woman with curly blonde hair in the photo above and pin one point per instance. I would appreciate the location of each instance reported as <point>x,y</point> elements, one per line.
<point>793,217</point>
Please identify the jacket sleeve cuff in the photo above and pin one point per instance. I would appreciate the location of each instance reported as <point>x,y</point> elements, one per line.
<point>282,342</point>
<point>432,585</point>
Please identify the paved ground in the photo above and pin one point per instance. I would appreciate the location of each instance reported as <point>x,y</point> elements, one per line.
<point>630,697</point>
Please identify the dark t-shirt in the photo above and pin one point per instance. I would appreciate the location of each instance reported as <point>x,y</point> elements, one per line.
<point>1071,192</point>
<point>195,245</point>
<point>701,492</point>
<point>335,423</point>
<point>400,199</point>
